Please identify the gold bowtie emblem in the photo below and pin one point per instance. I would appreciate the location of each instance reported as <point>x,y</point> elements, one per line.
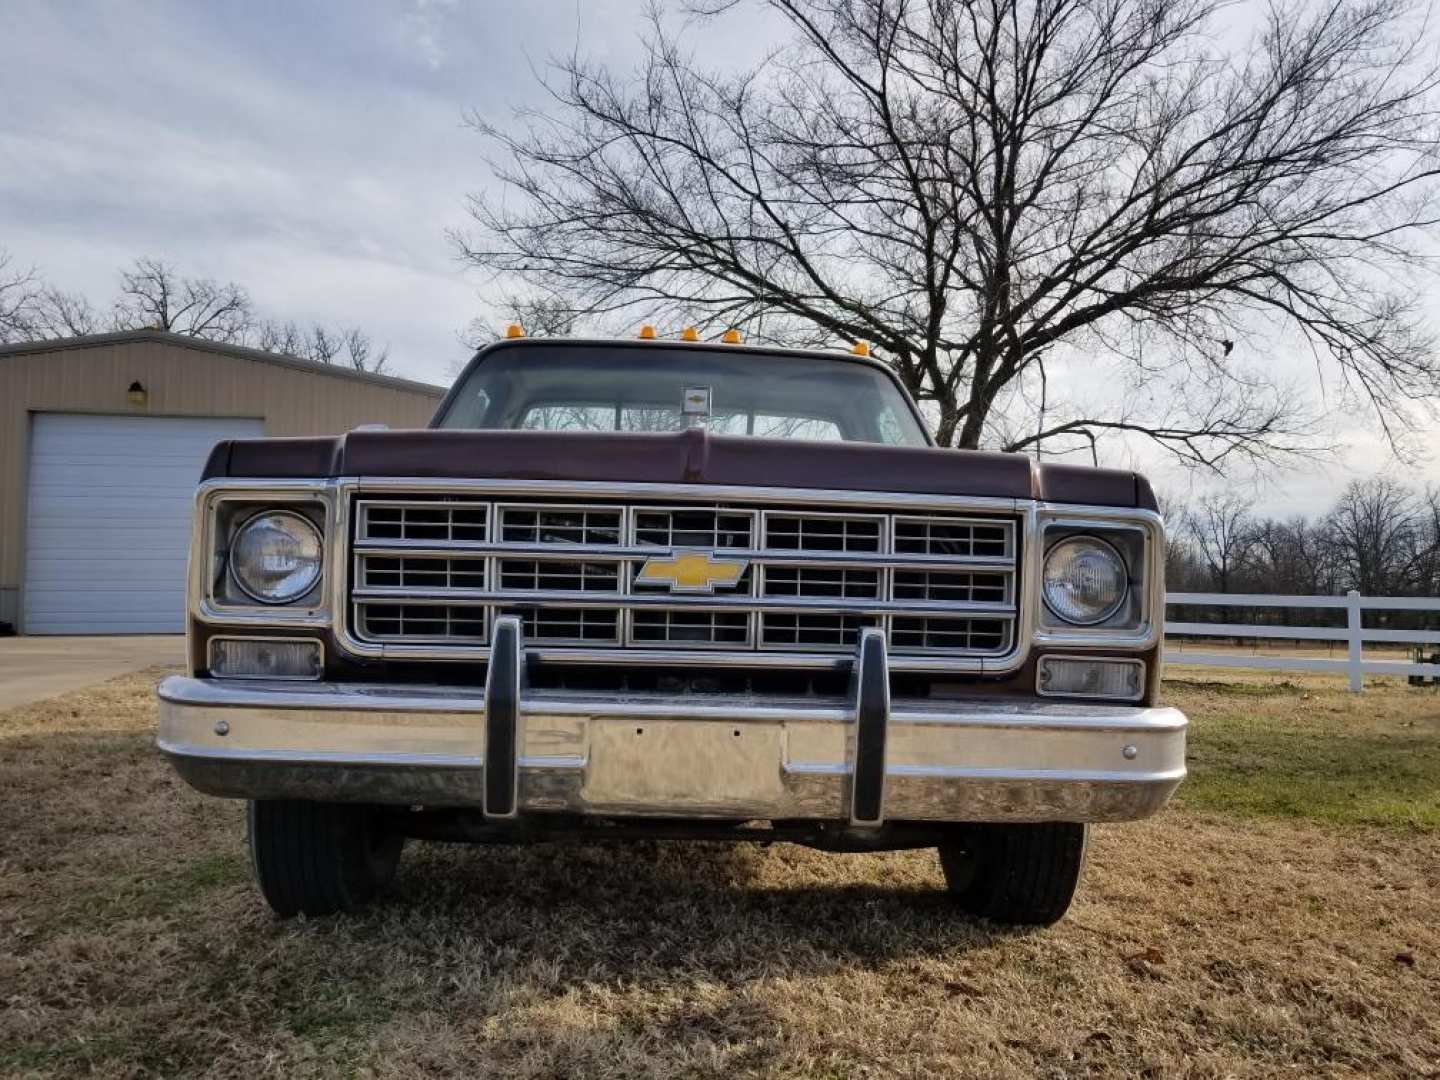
<point>691,571</point>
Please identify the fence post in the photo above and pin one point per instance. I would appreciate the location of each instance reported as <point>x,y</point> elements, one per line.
<point>1352,609</point>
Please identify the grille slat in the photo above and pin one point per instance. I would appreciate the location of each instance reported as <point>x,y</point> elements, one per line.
<point>410,622</point>
<point>845,582</point>
<point>787,630</point>
<point>569,626</point>
<point>560,525</point>
<point>954,539</point>
<point>942,634</point>
<point>685,528</point>
<point>432,572</point>
<point>692,628</point>
<point>960,587</point>
<point>547,575</point>
<point>422,522</point>
<point>817,532</point>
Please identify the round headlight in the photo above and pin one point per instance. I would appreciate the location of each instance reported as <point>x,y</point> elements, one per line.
<point>276,557</point>
<point>1085,580</point>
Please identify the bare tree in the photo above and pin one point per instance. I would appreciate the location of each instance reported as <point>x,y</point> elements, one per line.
<point>1379,534</point>
<point>1223,531</point>
<point>57,314</point>
<point>154,296</point>
<point>350,347</point>
<point>1177,546</point>
<point>18,292</point>
<point>543,315</point>
<point>360,353</point>
<point>990,188</point>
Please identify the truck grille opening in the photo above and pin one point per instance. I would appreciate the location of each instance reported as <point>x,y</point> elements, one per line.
<point>560,575</point>
<point>691,627</point>
<point>569,626</point>
<point>431,573</point>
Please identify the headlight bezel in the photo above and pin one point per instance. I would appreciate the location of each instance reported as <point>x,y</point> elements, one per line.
<point>223,505</point>
<point>1127,580</point>
<point>247,588</point>
<point>1138,536</point>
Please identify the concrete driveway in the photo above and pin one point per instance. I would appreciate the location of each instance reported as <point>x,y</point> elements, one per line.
<point>32,668</point>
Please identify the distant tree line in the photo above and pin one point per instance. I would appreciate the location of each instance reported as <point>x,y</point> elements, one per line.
<point>154,295</point>
<point>1380,538</point>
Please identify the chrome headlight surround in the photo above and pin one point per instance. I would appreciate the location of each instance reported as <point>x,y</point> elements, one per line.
<point>289,526</point>
<point>1137,536</point>
<point>222,506</point>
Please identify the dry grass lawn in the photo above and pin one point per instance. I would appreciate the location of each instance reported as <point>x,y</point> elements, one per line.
<point>1282,919</point>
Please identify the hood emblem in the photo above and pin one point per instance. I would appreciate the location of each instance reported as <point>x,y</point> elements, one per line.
<point>691,571</point>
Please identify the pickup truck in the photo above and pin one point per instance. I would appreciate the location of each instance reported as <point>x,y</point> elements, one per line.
<point>672,589</point>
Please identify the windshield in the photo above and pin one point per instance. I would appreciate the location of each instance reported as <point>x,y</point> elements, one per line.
<point>621,388</point>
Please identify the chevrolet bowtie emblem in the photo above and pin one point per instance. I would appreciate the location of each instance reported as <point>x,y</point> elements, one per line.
<point>691,571</point>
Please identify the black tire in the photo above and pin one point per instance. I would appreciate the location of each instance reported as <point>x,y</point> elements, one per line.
<point>1023,875</point>
<point>321,858</point>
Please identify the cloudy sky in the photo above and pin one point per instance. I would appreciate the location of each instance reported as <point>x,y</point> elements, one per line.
<point>316,154</point>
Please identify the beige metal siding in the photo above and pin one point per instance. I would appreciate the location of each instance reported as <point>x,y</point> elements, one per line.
<point>181,379</point>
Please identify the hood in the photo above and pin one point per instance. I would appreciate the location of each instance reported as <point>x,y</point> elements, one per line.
<point>686,457</point>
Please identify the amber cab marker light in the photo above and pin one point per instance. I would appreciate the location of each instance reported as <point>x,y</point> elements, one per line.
<point>731,337</point>
<point>514,330</point>
<point>862,348</point>
<point>689,334</point>
<point>647,333</point>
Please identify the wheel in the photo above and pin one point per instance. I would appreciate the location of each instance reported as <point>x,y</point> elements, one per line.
<point>1024,875</point>
<point>320,858</point>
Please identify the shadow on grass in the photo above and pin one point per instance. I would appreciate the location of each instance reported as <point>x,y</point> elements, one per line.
<point>138,943</point>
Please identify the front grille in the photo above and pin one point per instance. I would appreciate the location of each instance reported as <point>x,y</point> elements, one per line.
<point>439,571</point>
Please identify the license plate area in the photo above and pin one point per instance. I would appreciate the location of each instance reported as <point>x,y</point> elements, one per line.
<point>704,768</point>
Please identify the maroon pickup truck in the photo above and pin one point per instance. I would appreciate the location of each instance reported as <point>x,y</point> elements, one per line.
<point>666,589</point>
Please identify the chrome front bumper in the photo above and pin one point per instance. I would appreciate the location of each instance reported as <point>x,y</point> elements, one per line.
<point>864,759</point>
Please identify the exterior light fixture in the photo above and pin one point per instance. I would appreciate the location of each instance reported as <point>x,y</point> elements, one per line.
<point>731,337</point>
<point>647,332</point>
<point>514,330</point>
<point>862,348</point>
<point>136,394</point>
<point>689,334</point>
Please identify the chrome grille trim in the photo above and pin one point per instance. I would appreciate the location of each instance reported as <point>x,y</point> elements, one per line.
<point>826,532</point>
<point>725,526</point>
<point>537,574</point>
<point>661,599</point>
<point>567,569</point>
<point>692,628</point>
<point>558,525</point>
<point>836,558</point>
<point>416,522</point>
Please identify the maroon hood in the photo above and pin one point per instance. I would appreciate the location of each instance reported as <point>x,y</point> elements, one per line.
<point>687,457</point>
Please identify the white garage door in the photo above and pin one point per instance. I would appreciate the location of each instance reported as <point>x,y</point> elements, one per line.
<point>108,524</point>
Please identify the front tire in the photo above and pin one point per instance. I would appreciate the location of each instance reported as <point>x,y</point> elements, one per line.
<point>1023,875</point>
<point>321,858</point>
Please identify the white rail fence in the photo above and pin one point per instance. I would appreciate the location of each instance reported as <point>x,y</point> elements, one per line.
<point>1353,633</point>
